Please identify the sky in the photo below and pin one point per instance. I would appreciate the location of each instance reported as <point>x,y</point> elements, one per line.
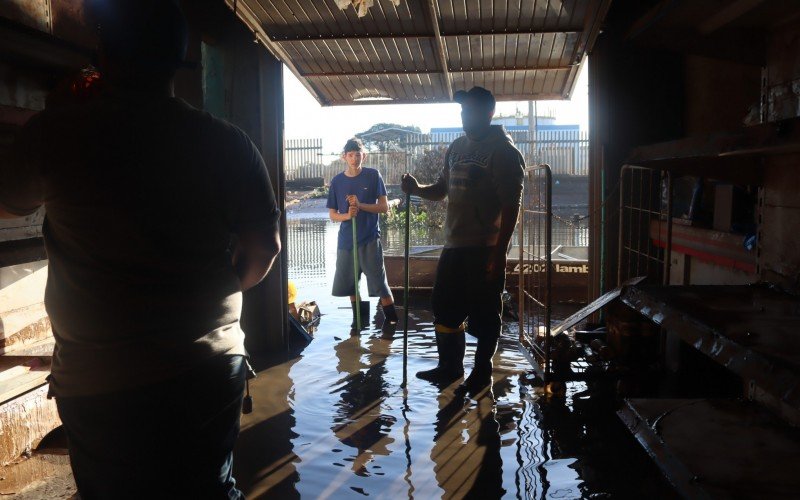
<point>306,119</point>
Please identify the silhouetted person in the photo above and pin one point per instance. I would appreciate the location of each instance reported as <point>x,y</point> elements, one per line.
<point>144,195</point>
<point>482,180</point>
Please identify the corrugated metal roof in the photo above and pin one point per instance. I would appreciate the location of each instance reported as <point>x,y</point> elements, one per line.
<point>423,50</point>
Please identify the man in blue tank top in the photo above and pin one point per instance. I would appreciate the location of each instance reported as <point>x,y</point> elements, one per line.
<point>359,193</point>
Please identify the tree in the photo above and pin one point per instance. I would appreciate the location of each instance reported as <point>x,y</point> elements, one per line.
<point>386,136</point>
<point>427,167</point>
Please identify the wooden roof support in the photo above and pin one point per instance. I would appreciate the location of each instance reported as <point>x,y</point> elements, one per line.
<point>440,50</point>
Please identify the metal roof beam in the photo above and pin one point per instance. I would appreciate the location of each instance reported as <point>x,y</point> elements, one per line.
<point>423,100</point>
<point>436,72</point>
<point>382,36</point>
<point>440,50</point>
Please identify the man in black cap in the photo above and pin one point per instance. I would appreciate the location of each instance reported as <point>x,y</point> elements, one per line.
<point>144,196</point>
<point>482,180</point>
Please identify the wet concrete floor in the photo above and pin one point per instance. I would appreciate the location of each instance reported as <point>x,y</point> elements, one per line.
<point>333,421</point>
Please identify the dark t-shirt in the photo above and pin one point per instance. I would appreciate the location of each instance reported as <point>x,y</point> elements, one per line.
<point>142,195</point>
<point>481,176</point>
<point>367,186</point>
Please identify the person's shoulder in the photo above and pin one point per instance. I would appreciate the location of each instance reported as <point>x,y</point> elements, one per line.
<point>505,146</point>
<point>372,172</point>
<point>338,178</point>
<point>205,119</point>
<point>215,132</point>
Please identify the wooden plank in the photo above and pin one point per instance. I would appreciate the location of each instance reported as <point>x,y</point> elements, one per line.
<point>22,286</point>
<point>26,324</point>
<point>22,228</point>
<point>24,421</point>
<point>20,374</point>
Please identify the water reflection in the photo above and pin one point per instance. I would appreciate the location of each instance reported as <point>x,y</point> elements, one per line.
<point>359,422</point>
<point>306,246</point>
<point>264,455</point>
<point>466,447</point>
<point>335,423</point>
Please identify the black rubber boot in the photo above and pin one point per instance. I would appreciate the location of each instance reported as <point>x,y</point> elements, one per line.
<point>364,314</point>
<point>481,374</point>
<point>390,314</point>
<point>451,348</point>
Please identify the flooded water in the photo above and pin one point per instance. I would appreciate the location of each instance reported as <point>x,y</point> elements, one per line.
<point>334,422</point>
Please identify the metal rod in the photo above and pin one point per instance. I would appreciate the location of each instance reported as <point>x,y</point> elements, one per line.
<point>521,266</point>
<point>548,238</point>
<point>433,16</point>
<point>407,249</point>
<point>668,250</point>
<point>356,273</point>
<point>622,206</point>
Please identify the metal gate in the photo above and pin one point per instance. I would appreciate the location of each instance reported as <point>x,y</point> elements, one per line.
<point>645,233</point>
<point>535,267</point>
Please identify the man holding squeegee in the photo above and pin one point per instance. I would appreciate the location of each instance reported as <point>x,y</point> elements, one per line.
<point>358,194</point>
<point>482,179</point>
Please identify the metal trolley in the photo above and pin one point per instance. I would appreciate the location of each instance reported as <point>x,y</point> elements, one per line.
<point>535,268</point>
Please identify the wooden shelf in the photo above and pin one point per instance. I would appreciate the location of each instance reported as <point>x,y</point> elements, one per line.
<point>731,155</point>
<point>715,247</point>
<point>751,330</point>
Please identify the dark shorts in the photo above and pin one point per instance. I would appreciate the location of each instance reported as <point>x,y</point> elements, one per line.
<point>173,439</point>
<point>462,292</point>
<point>370,262</point>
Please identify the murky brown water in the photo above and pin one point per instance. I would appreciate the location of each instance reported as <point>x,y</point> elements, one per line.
<point>334,422</point>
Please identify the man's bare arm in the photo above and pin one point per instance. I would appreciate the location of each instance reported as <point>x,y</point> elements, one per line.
<point>255,254</point>
<point>436,191</point>
<point>508,222</point>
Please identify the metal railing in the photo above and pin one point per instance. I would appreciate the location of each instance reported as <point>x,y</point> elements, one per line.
<point>567,151</point>
<point>302,159</point>
<point>645,199</point>
<point>535,267</point>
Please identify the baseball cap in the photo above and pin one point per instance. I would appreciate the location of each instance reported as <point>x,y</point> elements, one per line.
<point>476,95</point>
